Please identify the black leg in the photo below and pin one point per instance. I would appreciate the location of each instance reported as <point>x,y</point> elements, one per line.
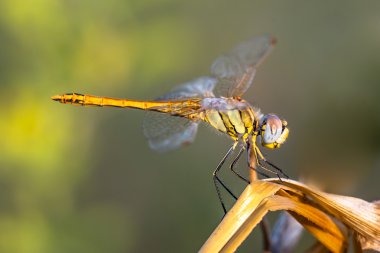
<point>256,159</point>
<point>275,167</point>
<point>232,166</point>
<point>259,172</point>
<point>267,169</point>
<point>259,158</point>
<point>217,179</point>
<point>258,153</point>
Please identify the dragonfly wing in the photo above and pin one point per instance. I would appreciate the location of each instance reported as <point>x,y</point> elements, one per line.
<point>165,132</point>
<point>198,88</point>
<point>236,69</point>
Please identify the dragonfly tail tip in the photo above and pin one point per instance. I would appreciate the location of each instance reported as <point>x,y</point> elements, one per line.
<point>56,97</point>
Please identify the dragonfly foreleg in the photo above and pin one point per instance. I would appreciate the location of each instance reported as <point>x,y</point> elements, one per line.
<point>258,153</point>
<point>270,163</point>
<point>276,168</point>
<point>218,180</point>
<point>232,166</point>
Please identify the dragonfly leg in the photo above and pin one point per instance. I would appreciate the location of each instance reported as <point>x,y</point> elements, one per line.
<point>276,168</point>
<point>258,153</point>
<point>270,163</point>
<point>232,166</point>
<point>218,180</point>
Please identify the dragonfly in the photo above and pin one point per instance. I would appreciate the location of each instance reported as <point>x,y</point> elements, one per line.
<point>173,119</point>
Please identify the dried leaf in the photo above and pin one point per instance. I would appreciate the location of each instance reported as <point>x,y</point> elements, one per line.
<point>312,208</point>
<point>361,216</point>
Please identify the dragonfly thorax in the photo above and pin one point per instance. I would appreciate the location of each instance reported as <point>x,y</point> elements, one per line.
<point>231,116</point>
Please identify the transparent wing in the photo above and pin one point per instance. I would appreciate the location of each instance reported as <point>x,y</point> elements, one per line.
<point>166,132</point>
<point>198,88</point>
<point>236,70</point>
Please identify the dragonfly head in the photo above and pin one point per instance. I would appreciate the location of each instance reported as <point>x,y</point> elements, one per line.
<point>273,131</point>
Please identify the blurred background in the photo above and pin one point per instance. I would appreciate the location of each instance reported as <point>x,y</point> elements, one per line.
<point>77,179</point>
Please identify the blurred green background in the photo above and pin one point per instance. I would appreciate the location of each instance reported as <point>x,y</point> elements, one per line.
<point>77,179</point>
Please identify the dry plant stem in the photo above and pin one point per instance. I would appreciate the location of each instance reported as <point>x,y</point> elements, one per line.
<point>252,164</point>
<point>264,225</point>
<point>236,217</point>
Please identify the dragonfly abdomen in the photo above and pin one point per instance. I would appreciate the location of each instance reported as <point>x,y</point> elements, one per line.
<point>178,108</point>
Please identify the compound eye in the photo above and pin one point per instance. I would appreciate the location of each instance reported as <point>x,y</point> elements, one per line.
<point>271,129</point>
